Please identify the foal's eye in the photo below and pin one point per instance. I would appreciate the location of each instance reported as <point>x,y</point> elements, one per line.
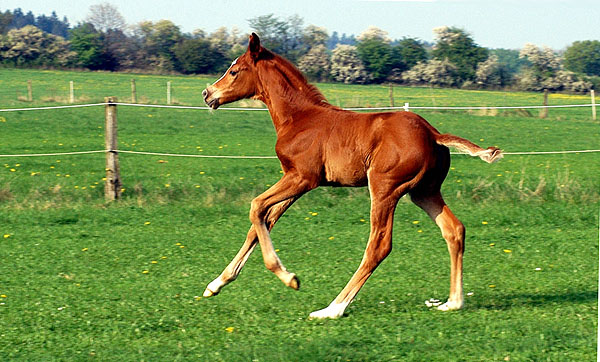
<point>233,72</point>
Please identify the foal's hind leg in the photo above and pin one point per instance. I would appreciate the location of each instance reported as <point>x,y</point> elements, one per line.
<point>453,232</point>
<point>234,268</point>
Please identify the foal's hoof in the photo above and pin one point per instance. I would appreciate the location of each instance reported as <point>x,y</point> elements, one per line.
<point>213,288</point>
<point>333,311</point>
<point>293,282</point>
<point>209,293</point>
<point>450,305</point>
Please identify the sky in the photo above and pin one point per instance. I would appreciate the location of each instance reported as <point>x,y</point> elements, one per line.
<point>492,23</point>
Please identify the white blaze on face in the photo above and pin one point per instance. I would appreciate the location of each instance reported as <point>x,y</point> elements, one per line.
<point>224,74</point>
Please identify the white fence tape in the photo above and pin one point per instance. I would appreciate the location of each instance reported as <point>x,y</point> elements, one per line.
<point>55,154</point>
<point>197,156</point>
<point>51,107</point>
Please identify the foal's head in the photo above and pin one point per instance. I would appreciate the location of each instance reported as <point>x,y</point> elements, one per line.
<point>239,81</point>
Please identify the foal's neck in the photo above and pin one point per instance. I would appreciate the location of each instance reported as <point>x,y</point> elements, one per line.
<point>287,94</point>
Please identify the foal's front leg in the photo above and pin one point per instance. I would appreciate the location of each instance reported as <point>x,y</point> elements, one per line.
<point>234,268</point>
<point>383,204</point>
<point>291,186</point>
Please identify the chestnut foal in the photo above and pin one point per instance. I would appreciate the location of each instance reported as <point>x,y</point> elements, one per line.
<point>319,144</point>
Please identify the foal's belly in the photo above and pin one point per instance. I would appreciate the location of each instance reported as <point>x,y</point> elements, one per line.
<point>344,170</point>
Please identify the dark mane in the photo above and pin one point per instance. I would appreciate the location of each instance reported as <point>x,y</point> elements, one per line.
<point>296,85</point>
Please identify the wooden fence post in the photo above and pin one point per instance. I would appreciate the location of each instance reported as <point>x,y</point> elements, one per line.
<point>544,111</point>
<point>133,92</point>
<point>593,104</point>
<point>29,91</point>
<point>112,187</point>
<point>169,92</point>
<point>71,93</point>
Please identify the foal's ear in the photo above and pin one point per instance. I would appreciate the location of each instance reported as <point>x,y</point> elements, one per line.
<point>254,46</point>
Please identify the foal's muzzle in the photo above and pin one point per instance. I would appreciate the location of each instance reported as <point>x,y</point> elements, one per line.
<point>212,102</point>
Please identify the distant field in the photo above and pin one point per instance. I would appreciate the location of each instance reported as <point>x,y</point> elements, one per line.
<point>81,279</point>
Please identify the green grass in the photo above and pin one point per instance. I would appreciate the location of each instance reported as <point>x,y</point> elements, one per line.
<point>81,279</point>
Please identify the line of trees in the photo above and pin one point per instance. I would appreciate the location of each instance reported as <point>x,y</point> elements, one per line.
<point>105,42</point>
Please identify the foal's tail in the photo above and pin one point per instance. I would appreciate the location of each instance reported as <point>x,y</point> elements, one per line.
<point>489,155</point>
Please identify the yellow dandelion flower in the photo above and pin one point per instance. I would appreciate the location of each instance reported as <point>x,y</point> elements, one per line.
<point>314,213</point>
<point>3,296</point>
<point>6,236</point>
<point>492,244</point>
<point>163,257</point>
<point>154,262</point>
<point>197,297</point>
<point>167,185</point>
<point>507,251</point>
<point>147,223</point>
<point>145,272</point>
<point>492,286</point>
<point>12,170</point>
<point>230,329</point>
<point>178,244</point>
<point>416,222</point>
<point>84,249</point>
<point>484,222</point>
<point>331,237</point>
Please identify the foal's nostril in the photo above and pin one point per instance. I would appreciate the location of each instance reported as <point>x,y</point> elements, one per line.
<point>205,93</point>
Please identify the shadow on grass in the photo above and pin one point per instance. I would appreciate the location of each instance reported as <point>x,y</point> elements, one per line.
<point>535,300</point>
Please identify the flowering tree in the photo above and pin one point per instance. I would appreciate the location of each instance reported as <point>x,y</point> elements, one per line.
<point>316,64</point>
<point>346,66</point>
<point>546,72</point>
<point>433,72</point>
<point>491,73</point>
<point>459,48</point>
<point>31,46</point>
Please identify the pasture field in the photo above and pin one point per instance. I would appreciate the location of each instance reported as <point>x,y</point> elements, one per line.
<point>81,279</point>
